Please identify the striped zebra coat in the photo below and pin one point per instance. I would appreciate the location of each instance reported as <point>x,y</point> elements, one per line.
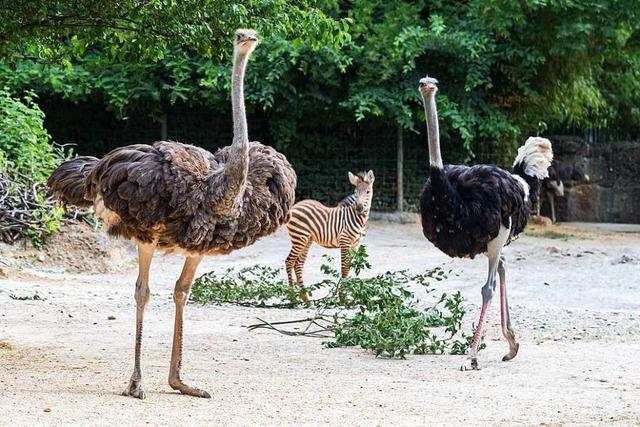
<point>340,227</point>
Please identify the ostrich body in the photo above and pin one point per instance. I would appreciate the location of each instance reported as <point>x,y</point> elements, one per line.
<point>560,173</point>
<point>471,210</point>
<point>175,197</point>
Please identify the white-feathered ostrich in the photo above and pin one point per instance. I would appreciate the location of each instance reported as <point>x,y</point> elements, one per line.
<point>470,210</point>
<point>175,197</point>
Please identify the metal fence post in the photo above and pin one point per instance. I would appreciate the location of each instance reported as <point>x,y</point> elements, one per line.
<point>399,171</point>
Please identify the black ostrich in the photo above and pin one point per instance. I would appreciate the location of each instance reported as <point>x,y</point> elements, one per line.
<point>470,210</point>
<point>560,173</point>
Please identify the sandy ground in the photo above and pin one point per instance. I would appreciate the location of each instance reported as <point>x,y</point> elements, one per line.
<point>575,304</point>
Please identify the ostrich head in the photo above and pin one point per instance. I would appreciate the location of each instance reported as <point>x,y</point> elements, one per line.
<point>363,191</point>
<point>245,41</point>
<point>428,85</point>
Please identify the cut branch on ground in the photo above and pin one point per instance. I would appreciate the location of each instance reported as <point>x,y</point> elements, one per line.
<point>379,313</point>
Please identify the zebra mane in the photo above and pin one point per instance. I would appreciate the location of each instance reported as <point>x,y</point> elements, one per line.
<point>347,201</point>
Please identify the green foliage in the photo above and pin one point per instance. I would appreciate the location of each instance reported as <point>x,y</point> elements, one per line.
<point>506,67</point>
<point>27,157</point>
<point>25,146</point>
<point>255,286</point>
<point>35,297</point>
<point>390,321</point>
<point>549,234</point>
<point>378,313</point>
<point>47,220</point>
<point>142,30</point>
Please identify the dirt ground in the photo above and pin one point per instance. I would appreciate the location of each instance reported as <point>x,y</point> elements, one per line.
<point>575,299</point>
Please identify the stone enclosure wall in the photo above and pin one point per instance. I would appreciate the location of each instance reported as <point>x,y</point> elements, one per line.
<point>613,191</point>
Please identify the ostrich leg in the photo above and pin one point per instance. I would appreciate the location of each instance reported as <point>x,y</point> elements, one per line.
<point>180,296</point>
<point>145,253</point>
<point>505,319</point>
<point>493,253</point>
<point>553,207</point>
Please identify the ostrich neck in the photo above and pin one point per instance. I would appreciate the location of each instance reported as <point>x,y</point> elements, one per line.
<point>236,168</point>
<point>240,134</point>
<point>433,131</point>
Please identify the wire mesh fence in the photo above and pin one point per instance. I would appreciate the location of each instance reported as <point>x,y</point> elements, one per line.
<point>321,161</point>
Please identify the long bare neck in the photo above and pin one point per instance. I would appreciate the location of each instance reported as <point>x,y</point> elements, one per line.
<point>236,168</point>
<point>240,133</point>
<point>433,131</point>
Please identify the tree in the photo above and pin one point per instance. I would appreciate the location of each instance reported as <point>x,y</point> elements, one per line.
<point>142,30</point>
<point>507,67</point>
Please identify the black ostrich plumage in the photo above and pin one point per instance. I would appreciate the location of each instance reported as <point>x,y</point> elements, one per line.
<point>463,207</point>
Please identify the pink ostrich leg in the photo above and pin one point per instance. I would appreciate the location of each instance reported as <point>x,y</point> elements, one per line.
<point>494,248</point>
<point>505,319</point>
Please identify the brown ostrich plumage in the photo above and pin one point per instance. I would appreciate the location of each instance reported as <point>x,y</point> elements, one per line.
<point>176,197</point>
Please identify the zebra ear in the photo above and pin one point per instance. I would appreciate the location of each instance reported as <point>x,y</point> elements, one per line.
<point>370,177</point>
<point>353,179</point>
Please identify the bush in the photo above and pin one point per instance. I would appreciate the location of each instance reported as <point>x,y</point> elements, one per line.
<point>27,157</point>
<point>25,145</point>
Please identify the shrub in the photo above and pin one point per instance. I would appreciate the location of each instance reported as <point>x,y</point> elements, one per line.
<point>25,145</point>
<point>27,157</point>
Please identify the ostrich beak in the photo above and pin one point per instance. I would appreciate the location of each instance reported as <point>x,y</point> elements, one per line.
<point>428,83</point>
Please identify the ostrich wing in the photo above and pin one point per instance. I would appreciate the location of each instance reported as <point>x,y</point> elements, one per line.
<point>169,192</point>
<point>148,186</point>
<point>463,207</point>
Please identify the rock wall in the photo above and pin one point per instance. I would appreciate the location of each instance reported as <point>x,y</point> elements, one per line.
<point>613,191</point>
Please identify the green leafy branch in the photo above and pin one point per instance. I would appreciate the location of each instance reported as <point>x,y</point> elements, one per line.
<point>379,313</point>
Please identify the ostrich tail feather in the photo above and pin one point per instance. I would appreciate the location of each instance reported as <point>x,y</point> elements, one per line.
<point>67,180</point>
<point>534,158</point>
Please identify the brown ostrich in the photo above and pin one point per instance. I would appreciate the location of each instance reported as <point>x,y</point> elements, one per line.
<point>175,197</point>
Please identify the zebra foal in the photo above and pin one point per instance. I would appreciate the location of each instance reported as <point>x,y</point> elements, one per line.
<point>341,227</point>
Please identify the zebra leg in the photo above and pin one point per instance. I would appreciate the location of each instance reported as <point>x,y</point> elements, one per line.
<point>344,261</point>
<point>299,266</point>
<point>289,264</point>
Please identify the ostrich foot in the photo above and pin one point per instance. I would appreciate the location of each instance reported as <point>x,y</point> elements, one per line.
<point>471,364</point>
<point>134,389</point>
<point>510,336</point>
<point>513,350</point>
<point>188,390</point>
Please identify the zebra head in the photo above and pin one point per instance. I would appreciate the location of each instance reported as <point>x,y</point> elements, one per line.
<point>363,192</point>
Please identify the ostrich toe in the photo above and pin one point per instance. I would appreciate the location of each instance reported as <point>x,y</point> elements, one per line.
<point>190,391</point>
<point>513,351</point>
<point>134,389</point>
<point>471,364</point>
